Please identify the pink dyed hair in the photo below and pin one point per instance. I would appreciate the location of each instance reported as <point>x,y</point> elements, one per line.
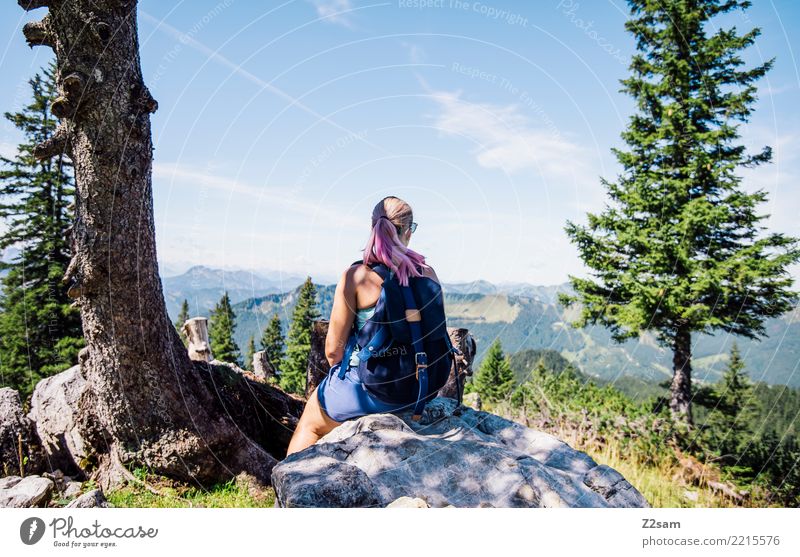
<point>384,244</point>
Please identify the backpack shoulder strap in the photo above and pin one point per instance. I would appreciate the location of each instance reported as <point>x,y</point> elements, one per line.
<point>420,357</point>
<point>382,270</point>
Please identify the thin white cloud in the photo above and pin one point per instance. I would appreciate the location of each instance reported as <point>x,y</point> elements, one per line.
<point>176,174</point>
<point>335,11</point>
<point>507,137</point>
<point>771,91</point>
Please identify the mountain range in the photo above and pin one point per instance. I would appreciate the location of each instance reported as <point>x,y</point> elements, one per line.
<point>523,316</point>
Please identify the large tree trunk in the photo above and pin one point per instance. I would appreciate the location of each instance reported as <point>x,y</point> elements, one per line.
<point>146,404</point>
<point>681,388</point>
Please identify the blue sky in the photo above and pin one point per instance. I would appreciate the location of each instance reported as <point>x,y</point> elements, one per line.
<point>281,124</point>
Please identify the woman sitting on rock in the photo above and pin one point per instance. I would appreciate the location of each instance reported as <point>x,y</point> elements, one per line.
<point>341,395</point>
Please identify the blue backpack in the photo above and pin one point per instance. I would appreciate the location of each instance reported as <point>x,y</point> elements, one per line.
<point>405,354</point>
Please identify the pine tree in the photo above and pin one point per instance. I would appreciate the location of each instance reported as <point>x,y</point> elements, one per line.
<point>251,350</point>
<point>183,317</point>
<point>221,327</point>
<point>272,341</point>
<point>730,424</point>
<point>40,333</point>
<point>292,376</point>
<point>680,250</point>
<point>540,371</point>
<point>495,378</point>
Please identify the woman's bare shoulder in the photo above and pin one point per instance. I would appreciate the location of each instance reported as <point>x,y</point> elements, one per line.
<point>430,273</point>
<point>357,273</point>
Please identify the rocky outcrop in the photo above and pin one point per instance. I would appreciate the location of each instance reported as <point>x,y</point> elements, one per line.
<point>20,447</point>
<point>30,491</point>
<point>453,456</point>
<point>54,409</point>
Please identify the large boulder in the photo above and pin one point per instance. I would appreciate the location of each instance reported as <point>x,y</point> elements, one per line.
<point>17,435</point>
<point>30,491</point>
<point>455,456</point>
<point>54,410</point>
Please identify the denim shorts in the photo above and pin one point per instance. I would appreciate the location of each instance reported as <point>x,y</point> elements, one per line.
<point>346,398</point>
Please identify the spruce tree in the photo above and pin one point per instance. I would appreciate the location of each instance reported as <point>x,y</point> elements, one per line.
<point>730,424</point>
<point>495,378</point>
<point>183,317</point>
<point>251,350</point>
<point>220,332</point>
<point>680,248</point>
<point>40,333</point>
<point>272,341</point>
<point>292,377</point>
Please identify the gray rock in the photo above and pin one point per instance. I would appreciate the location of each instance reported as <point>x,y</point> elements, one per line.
<point>30,491</point>
<point>613,487</point>
<point>54,408</point>
<point>9,481</point>
<point>89,500</point>
<point>15,429</point>
<point>72,489</point>
<point>455,456</point>
<point>344,485</point>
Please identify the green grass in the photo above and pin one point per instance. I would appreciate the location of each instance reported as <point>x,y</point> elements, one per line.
<point>173,495</point>
<point>660,480</point>
<point>656,483</point>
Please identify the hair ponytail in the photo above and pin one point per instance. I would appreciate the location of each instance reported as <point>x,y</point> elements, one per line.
<point>384,245</point>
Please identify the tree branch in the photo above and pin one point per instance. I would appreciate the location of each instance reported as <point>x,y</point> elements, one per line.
<point>53,146</point>
<point>37,33</point>
<point>29,5</point>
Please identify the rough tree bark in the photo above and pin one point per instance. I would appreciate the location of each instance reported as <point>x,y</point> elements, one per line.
<point>147,403</point>
<point>680,399</point>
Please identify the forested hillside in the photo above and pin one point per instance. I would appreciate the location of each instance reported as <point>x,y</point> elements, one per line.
<point>534,320</point>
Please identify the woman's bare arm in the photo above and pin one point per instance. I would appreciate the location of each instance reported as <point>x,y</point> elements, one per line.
<point>342,316</point>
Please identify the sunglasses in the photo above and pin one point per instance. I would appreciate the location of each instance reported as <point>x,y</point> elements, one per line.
<point>413,228</point>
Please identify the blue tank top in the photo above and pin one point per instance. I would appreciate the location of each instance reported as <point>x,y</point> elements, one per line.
<point>362,315</point>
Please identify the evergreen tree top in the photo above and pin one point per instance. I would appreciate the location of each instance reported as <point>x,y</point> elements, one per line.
<point>680,246</point>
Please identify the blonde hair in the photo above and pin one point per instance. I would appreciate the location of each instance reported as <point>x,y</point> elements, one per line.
<point>390,218</point>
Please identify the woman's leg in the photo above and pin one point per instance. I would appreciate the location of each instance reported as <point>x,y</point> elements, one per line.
<point>313,424</point>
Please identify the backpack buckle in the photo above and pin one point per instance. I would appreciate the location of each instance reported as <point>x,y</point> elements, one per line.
<point>421,360</point>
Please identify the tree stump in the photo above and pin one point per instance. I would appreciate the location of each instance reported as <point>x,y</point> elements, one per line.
<point>262,367</point>
<point>462,364</point>
<point>196,331</point>
<point>317,362</point>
